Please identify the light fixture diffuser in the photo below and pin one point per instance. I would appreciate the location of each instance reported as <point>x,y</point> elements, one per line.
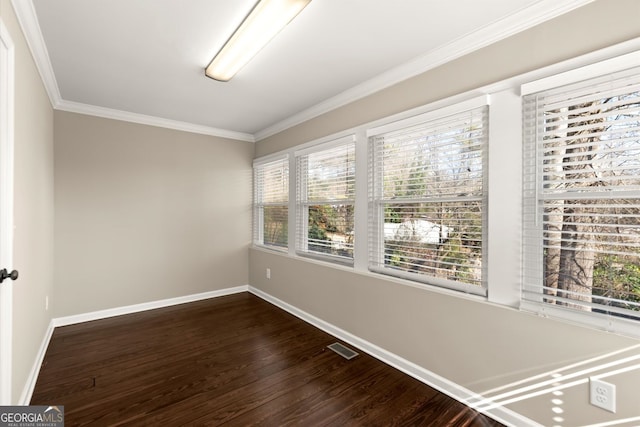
<point>265,20</point>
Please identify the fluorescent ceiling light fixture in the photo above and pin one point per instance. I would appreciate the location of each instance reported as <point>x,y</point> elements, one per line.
<point>265,20</point>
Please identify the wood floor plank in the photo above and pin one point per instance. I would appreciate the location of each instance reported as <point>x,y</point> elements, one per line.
<point>233,361</point>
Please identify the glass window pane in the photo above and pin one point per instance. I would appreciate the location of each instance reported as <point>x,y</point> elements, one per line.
<point>439,239</point>
<point>331,230</point>
<point>276,220</point>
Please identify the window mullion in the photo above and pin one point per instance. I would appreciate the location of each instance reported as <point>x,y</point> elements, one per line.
<point>427,199</point>
<point>582,222</point>
<point>325,199</point>
<point>270,198</point>
<point>292,208</point>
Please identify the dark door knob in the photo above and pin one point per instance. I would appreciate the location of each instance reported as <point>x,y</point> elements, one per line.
<point>5,275</point>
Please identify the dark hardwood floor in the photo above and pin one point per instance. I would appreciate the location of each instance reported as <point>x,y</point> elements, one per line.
<point>236,361</point>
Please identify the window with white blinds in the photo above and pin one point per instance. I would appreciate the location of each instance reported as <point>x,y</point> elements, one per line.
<point>271,203</point>
<point>325,198</point>
<point>427,198</point>
<point>582,200</point>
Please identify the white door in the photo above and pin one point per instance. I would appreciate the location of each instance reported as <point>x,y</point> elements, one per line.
<point>6,208</point>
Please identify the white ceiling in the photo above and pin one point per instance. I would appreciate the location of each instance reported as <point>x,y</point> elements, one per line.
<point>143,60</point>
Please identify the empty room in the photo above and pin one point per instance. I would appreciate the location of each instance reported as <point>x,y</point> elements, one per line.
<point>320,212</point>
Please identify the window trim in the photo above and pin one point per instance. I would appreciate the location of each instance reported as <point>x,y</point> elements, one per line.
<point>302,217</point>
<point>586,72</point>
<point>433,114</point>
<point>616,324</point>
<point>376,232</point>
<point>503,281</point>
<point>258,216</point>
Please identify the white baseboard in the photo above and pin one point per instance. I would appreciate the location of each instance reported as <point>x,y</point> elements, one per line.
<point>501,414</point>
<point>27,392</point>
<point>25,398</point>
<point>451,389</point>
<point>129,309</point>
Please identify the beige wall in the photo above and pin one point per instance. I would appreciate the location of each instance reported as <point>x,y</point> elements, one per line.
<point>476,344</point>
<point>145,213</point>
<point>595,26</point>
<point>33,209</point>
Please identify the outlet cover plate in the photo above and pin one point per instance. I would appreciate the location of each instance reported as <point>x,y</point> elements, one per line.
<point>602,394</point>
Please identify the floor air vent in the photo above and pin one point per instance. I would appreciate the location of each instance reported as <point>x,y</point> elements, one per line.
<point>343,351</point>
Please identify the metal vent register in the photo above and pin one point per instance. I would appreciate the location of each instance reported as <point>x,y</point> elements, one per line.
<point>343,351</point>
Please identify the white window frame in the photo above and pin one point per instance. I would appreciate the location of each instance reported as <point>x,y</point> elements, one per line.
<point>302,202</point>
<point>532,215</point>
<point>376,213</point>
<point>258,205</point>
<point>504,244</point>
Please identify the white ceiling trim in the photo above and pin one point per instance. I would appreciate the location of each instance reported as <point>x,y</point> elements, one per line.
<point>499,30</point>
<point>28,20</point>
<point>517,22</point>
<point>126,116</point>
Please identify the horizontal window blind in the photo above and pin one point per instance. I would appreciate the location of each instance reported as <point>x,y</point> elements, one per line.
<point>427,200</point>
<point>271,203</point>
<point>582,199</point>
<point>325,193</point>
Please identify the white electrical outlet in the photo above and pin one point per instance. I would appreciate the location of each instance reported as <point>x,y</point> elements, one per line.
<point>268,273</point>
<point>46,303</point>
<point>602,394</point>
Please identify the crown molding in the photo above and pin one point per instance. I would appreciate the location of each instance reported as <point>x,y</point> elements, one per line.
<point>522,20</point>
<point>28,20</point>
<point>126,116</point>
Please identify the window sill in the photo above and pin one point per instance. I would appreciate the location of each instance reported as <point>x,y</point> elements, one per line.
<point>379,276</point>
